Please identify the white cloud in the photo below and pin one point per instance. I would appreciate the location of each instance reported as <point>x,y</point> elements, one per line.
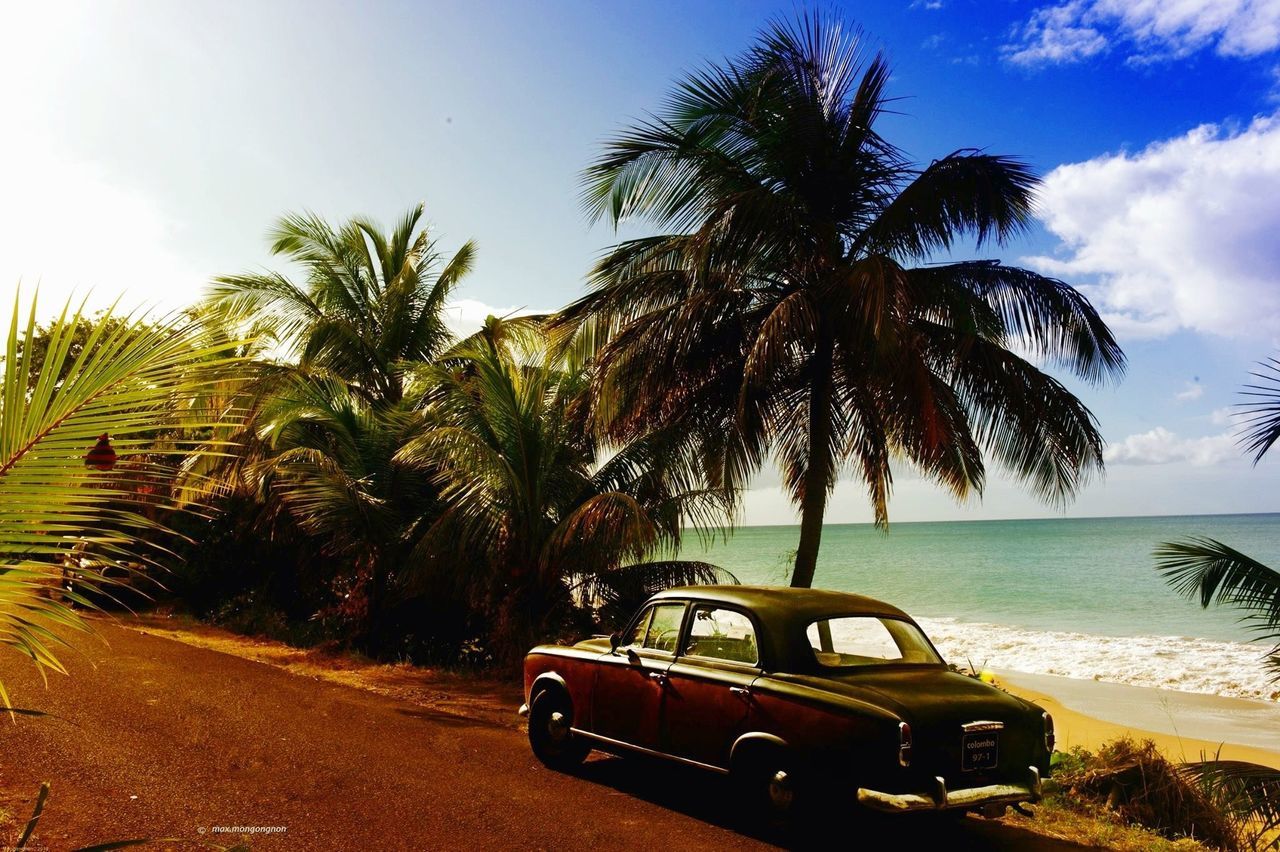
<point>1228,416</point>
<point>1056,34</point>
<point>1190,391</point>
<point>1160,446</point>
<point>466,316</point>
<point>1148,30</point>
<point>1180,235</point>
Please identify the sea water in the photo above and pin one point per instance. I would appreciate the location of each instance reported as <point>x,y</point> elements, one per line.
<point>1075,597</point>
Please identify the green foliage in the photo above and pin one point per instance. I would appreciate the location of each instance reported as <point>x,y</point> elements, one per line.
<point>545,523</point>
<point>795,310</point>
<point>435,482</point>
<point>1209,571</point>
<point>1135,781</point>
<point>1247,793</point>
<point>369,302</point>
<point>1226,804</point>
<point>127,378</point>
<point>1261,411</point>
<point>329,416</point>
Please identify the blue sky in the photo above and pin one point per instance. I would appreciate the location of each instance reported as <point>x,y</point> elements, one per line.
<point>149,146</point>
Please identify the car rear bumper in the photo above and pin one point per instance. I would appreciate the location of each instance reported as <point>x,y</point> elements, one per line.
<point>940,798</point>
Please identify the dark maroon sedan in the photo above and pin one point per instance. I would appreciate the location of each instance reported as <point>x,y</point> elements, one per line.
<point>794,692</point>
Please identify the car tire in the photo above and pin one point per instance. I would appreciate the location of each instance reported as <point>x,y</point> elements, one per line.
<point>771,785</point>
<point>550,737</point>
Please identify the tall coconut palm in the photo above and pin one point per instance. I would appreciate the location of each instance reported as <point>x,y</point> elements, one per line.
<point>369,301</point>
<point>532,508</point>
<point>795,310</point>
<point>127,380</point>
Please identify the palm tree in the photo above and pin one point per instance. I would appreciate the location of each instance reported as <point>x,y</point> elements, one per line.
<point>127,380</point>
<point>794,310</point>
<point>327,414</point>
<point>370,300</point>
<point>544,522</point>
<point>332,464</point>
<point>1209,571</point>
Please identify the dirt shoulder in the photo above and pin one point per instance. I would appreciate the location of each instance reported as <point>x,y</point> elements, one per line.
<point>171,730</point>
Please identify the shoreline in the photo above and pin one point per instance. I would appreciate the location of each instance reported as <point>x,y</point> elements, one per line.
<point>1185,726</point>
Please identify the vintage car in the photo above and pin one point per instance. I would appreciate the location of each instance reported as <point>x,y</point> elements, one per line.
<point>795,693</point>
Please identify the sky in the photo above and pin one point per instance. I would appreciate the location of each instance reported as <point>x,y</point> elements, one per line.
<point>147,147</point>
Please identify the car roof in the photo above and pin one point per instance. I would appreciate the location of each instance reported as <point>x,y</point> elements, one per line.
<point>774,603</point>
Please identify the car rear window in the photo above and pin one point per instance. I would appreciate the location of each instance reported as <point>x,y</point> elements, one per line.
<point>867,640</point>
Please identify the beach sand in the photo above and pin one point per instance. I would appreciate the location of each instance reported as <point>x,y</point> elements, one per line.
<point>1185,726</point>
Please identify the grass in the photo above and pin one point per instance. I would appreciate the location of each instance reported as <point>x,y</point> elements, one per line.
<point>1068,818</point>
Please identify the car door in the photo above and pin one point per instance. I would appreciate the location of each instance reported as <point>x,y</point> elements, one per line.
<point>627,700</point>
<point>708,685</point>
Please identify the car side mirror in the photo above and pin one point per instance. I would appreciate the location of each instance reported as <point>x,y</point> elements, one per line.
<point>615,639</point>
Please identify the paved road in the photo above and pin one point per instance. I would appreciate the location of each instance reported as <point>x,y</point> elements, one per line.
<point>158,738</point>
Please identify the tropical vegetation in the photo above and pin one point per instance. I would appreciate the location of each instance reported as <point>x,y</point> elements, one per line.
<point>452,487</point>
<point>388,486</point>
<point>96,418</point>
<point>802,303</point>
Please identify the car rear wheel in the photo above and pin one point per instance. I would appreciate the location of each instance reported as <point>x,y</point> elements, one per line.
<point>770,784</point>
<point>550,735</point>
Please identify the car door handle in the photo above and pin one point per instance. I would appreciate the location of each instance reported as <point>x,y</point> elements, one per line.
<point>741,691</point>
<point>659,677</point>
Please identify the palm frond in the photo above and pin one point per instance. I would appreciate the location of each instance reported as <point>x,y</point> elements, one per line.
<point>1247,792</point>
<point>1209,571</point>
<point>967,192</point>
<point>1261,414</point>
<point>130,381</point>
<point>618,593</point>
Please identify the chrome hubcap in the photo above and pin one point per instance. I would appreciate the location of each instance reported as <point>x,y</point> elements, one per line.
<point>781,794</point>
<point>557,726</point>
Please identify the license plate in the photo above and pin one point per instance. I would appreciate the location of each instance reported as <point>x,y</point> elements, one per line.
<point>979,750</point>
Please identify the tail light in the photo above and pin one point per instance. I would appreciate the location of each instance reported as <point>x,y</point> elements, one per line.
<point>904,744</point>
<point>1048,733</point>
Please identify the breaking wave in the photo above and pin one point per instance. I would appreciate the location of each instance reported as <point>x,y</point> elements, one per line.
<point>1167,662</point>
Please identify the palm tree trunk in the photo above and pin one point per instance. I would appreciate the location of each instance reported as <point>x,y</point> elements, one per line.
<point>817,478</point>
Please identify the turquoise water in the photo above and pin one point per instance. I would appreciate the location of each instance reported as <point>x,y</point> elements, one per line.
<point>1086,575</point>
<point>1069,597</point>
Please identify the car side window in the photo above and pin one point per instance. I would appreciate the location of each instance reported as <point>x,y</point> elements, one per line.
<point>636,636</point>
<point>664,627</point>
<point>722,634</point>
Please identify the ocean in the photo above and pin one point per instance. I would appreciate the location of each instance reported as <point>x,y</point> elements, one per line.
<point>1074,597</point>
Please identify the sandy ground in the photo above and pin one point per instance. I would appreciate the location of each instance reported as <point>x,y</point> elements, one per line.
<point>160,738</point>
<point>1184,726</point>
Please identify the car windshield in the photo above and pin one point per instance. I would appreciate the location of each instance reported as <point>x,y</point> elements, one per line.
<point>867,640</point>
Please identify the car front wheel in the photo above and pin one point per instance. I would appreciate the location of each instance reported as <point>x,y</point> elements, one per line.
<point>550,735</point>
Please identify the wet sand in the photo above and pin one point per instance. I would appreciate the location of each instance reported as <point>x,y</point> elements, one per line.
<point>1186,726</point>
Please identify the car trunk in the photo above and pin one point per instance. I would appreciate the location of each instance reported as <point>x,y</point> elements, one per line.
<point>937,703</point>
